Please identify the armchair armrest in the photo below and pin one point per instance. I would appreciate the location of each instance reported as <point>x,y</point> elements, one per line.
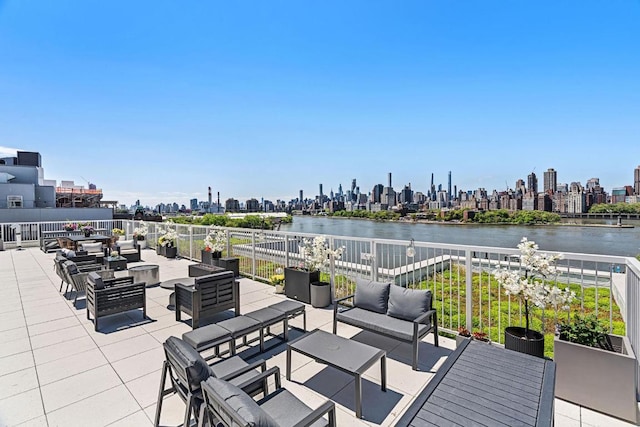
<point>327,407</point>
<point>263,376</point>
<point>422,317</point>
<point>185,288</point>
<point>260,363</point>
<point>339,300</point>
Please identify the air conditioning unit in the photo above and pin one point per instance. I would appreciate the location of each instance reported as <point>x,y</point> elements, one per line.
<point>14,202</point>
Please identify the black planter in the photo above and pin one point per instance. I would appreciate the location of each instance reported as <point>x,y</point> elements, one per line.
<point>515,339</point>
<point>169,252</point>
<point>210,258</point>
<point>87,234</point>
<point>297,284</point>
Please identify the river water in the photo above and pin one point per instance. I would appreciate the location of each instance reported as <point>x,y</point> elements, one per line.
<point>561,238</point>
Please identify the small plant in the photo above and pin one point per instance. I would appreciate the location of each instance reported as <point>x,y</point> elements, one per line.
<point>117,232</point>
<point>317,253</point>
<point>115,254</point>
<point>277,279</point>
<point>463,332</point>
<point>70,226</point>
<point>480,336</point>
<point>585,330</point>
<point>168,238</point>
<point>86,228</point>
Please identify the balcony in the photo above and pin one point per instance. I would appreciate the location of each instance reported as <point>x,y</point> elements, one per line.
<point>56,370</point>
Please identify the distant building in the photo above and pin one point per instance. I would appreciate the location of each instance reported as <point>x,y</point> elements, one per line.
<point>193,204</point>
<point>252,205</point>
<point>532,183</point>
<point>576,199</point>
<point>636,181</point>
<point>232,205</point>
<point>550,180</point>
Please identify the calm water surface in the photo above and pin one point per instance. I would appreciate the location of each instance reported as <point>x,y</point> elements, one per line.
<point>580,239</point>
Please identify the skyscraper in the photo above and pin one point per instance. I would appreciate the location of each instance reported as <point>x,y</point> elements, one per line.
<point>550,180</point>
<point>301,198</point>
<point>449,187</point>
<point>636,181</point>
<point>321,195</point>
<point>532,183</point>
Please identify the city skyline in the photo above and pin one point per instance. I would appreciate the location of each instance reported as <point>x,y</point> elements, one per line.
<point>262,100</point>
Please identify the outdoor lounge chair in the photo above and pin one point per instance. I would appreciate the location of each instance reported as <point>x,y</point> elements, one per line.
<point>187,369</point>
<point>112,296</point>
<point>76,276</point>
<point>228,405</point>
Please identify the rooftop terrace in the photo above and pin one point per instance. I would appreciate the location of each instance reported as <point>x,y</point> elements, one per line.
<point>55,370</point>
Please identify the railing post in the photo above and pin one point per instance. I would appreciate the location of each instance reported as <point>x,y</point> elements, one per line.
<point>191,241</point>
<point>332,270</point>
<point>253,255</point>
<point>286,250</point>
<point>374,261</point>
<point>469,290</point>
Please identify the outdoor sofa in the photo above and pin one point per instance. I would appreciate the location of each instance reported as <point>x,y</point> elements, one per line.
<point>391,310</point>
<point>112,296</point>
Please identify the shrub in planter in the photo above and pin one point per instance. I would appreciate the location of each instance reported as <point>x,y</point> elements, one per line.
<point>595,369</point>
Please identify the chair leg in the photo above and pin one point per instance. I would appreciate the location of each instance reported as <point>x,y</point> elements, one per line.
<point>163,379</point>
<point>190,406</point>
<point>416,342</point>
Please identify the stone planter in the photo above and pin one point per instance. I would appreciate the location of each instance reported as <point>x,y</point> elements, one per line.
<point>279,289</point>
<point>533,344</point>
<point>210,258</point>
<point>142,244</point>
<point>298,283</point>
<point>602,380</point>
<point>320,294</point>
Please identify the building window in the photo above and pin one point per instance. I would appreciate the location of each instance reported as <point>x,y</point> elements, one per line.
<point>14,201</point>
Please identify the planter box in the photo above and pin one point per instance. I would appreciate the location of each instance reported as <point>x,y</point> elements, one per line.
<point>297,284</point>
<point>210,258</point>
<point>514,340</point>
<point>601,380</point>
<point>167,252</point>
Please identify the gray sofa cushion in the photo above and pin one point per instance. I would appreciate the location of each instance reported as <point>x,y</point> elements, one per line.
<point>92,247</point>
<point>372,296</point>
<point>408,304</point>
<point>380,323</point>
<point>240,402</point>
<point>188,360</point>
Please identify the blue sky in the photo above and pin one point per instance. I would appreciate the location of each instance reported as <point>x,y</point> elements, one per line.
<point>156,100</point>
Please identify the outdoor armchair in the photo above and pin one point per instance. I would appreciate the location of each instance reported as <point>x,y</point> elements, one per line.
<point>227,404</point>
<point>112,296</point>
<point>75,275</point>
<point>187,369</point>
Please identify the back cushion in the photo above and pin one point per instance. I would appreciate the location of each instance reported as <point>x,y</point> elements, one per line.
<point>71,267</point>
<point>240,402</point>
<point>92,247</point>
<point>408,304</point>
<point>188,361</point>
<point>125,244</point>
<point>371,296</point>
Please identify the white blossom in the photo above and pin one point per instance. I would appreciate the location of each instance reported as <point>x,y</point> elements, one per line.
<point>216,240</point>
<point>530,287</point>
<point>317,254</point>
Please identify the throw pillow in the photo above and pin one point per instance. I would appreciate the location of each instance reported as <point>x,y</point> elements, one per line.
<point>240,402</point>
<point>126,244</point>
<point>371,296</point>
<point>408,304</point>
<point>92,247</point>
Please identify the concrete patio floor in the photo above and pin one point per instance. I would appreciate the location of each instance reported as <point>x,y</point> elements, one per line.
<point>55,370</point>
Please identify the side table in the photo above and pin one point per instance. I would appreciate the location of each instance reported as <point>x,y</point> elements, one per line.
<point>118,263</point>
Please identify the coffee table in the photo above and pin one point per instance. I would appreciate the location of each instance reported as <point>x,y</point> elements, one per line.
<point>348,356</point>
<point>117,263</point>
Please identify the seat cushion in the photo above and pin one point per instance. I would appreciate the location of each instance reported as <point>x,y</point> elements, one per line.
<point>185,358</point>
<point>240,325</point>
<point>205,337</point>
<point>126,244</point>
<point>240,402</point>
<point>381,323</point>
<point>408,304</point>
<point>92,247</point>
<point>288,307</point>
<point>372,296</point>
<point>286,409</point>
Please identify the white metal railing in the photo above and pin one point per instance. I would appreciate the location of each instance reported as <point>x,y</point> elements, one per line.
<point>457,275</point>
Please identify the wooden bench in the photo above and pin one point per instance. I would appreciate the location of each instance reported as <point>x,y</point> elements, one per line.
<point>209,295</point>
<point>486,385</point>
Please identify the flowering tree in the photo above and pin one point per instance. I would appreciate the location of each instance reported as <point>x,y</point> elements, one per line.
<point>215,241</point>
<point>531,288</point>
<point>317,253</point>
